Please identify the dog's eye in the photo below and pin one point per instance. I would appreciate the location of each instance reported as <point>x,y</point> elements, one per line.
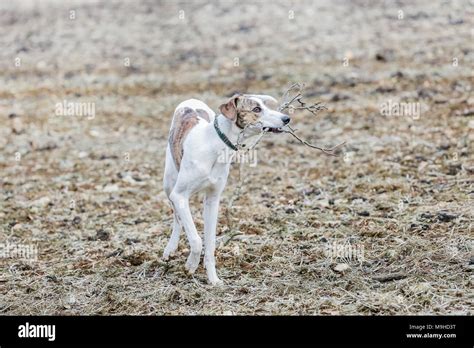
<point>256,109</point>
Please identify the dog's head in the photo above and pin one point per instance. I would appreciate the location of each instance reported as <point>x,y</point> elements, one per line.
<point>254,112</point>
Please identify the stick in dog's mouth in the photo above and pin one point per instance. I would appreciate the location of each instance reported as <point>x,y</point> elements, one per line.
<point>272,129</point>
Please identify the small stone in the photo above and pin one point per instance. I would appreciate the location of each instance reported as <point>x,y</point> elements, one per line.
<point>129,179</point>
<point>380,57</point>
<point>94,133</point>
<point>421,288</point>
<point>236,250</point>
<point>398,74</point>
<point>444,216</point>
<point>102,235</point>
<point>465,112</point>
<point>17,126</point>
<point>131,241</point>
<point>41,202</point>
<point>110,188</point>
<point>341,267</point>
<point>338,97</point>
<point>17,227</point>
<point>390,254</point>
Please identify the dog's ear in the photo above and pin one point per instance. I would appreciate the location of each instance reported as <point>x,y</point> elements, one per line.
<point>229,109</point>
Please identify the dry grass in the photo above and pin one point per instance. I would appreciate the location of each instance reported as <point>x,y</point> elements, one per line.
<point>403,191</point>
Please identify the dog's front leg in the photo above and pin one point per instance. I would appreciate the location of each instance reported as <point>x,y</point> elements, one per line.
<point>211,211</point>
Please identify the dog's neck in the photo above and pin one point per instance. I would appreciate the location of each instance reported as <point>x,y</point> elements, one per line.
<point>228,128</point>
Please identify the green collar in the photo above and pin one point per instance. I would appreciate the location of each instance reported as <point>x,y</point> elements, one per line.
<point>223,136</point>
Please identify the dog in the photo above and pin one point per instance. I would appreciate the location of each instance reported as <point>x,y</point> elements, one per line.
<point>196,140</point>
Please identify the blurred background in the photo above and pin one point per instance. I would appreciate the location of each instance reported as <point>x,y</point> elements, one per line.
<point>87,92</point>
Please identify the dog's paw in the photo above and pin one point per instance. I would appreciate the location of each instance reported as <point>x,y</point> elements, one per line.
<point>190,269</point>
<point>170,249</point>
<point>192,263</point>
<point>216,282</point>
<point>167,254</point>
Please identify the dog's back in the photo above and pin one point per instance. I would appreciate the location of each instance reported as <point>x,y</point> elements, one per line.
<point>186,116</point>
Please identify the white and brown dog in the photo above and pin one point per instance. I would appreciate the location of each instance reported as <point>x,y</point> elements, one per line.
<point>197,139</point>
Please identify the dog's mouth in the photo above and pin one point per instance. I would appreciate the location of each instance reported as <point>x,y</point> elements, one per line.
<point>272,129</point>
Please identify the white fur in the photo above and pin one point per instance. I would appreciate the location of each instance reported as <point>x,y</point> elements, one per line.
<point>200,170</point>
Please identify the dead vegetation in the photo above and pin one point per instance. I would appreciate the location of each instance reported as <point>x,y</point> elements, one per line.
<point>88,192</point>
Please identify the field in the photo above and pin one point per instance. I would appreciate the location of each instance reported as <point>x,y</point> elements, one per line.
<point>386,228</point>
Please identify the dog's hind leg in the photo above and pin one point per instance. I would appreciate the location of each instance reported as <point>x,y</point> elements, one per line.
<point>173,242</point>
<point>181,203</point>
<point>169,182</point>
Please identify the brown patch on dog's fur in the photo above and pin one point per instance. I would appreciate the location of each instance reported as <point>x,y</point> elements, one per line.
<point>203,114</point>
<point>183,121</point>
<point>229,109</point>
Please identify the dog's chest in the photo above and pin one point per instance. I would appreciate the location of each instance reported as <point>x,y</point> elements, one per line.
<point>219,173</point>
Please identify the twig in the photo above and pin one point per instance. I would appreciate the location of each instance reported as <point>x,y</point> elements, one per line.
<point>298,97</point>
<point>328,151</point>
<point>288,101</point>
<point>241,145</point>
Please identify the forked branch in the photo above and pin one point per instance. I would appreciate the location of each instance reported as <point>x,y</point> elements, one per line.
<point>289,100</point>
<point>294,95</point>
